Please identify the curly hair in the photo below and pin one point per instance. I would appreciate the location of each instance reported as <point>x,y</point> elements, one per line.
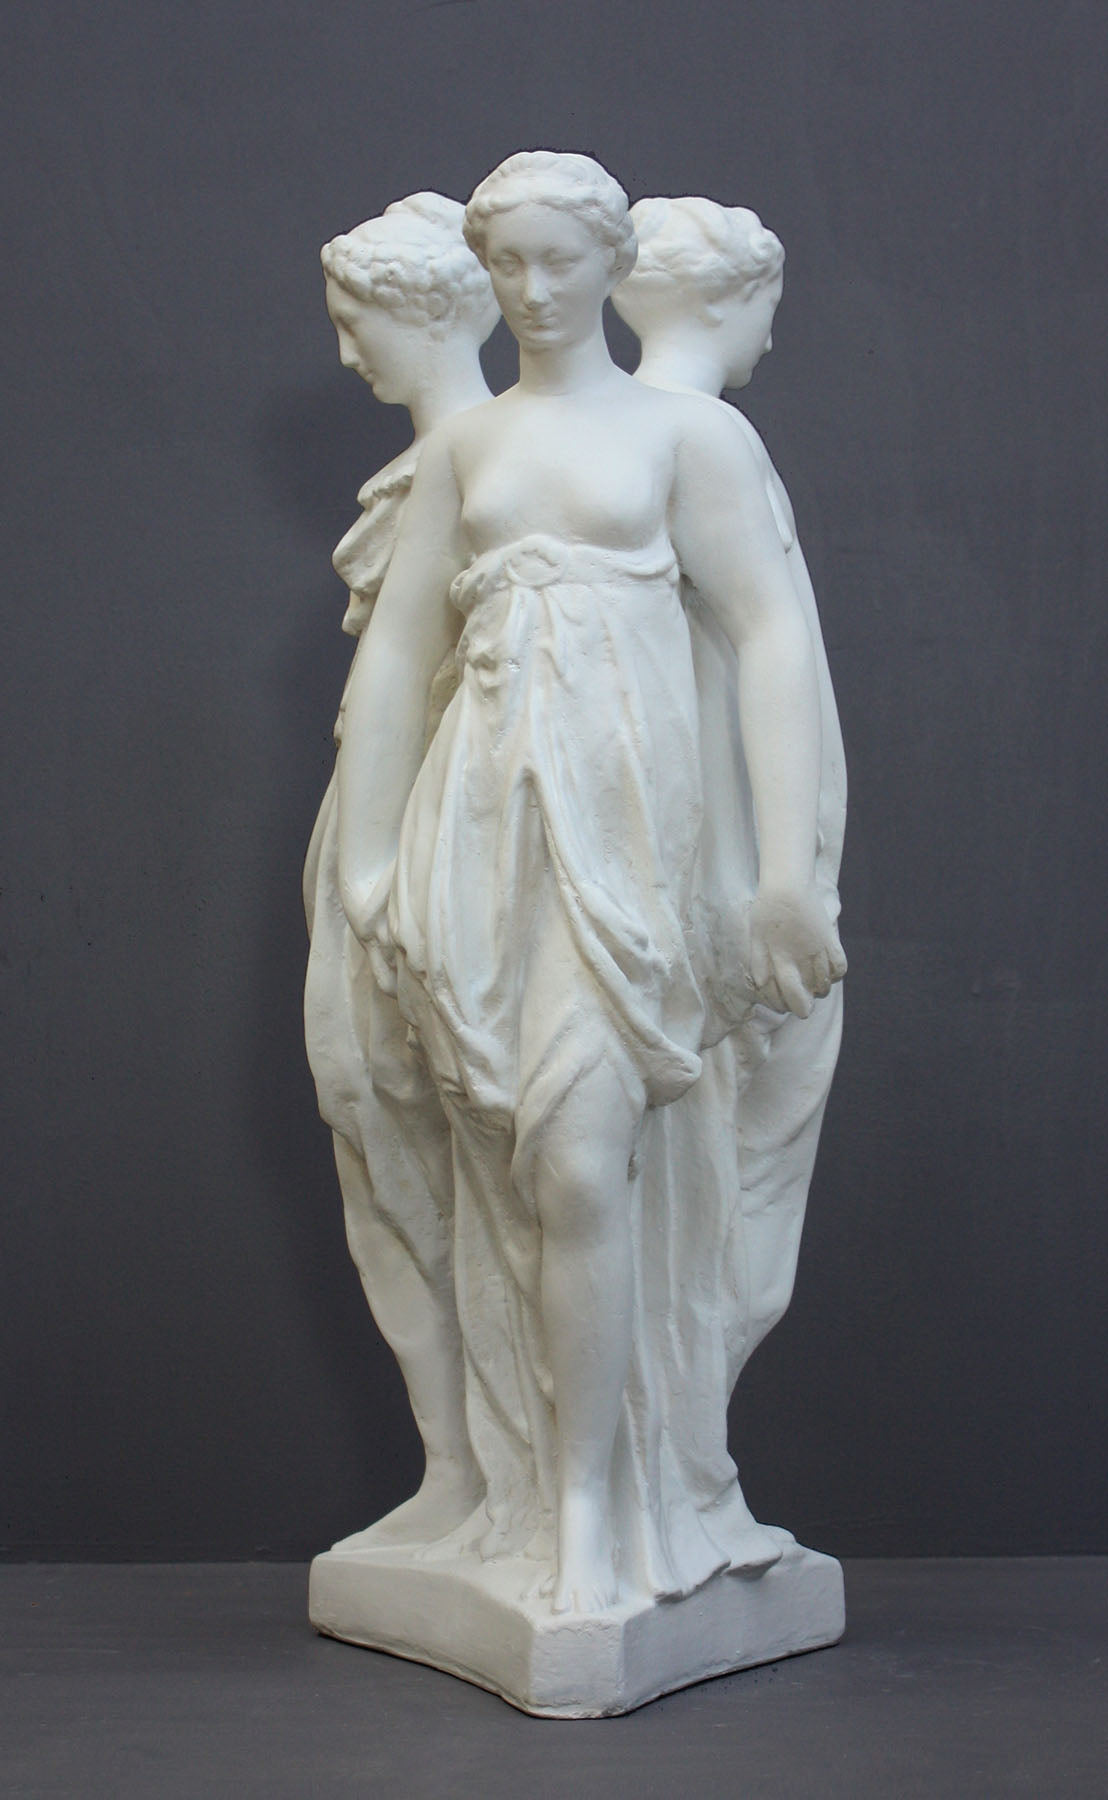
<point>414,259</point>
<point>692,242</point>
<point>561,179</point>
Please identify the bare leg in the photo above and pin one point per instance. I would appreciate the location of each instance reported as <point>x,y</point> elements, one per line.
<point>412,1300</point>
<point>581,1192</point>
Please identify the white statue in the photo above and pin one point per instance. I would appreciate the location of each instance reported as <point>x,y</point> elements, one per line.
<point>601,891</point>
<point>411,306</point>
<point>701,299</point>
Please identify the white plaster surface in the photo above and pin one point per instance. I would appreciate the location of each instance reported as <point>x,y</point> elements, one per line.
<point>464,1617</point>
<point>572,1003</point>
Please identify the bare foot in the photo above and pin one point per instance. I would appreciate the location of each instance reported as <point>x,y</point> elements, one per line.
<point>586,1580</point>
<point>445,1500</point>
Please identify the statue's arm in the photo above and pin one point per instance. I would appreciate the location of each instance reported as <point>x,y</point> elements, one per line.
<point>833,758</point>
<point>729,547</point>
<point>403,645</point>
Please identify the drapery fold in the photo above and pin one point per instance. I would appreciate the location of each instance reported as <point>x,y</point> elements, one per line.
<point>559,821</point>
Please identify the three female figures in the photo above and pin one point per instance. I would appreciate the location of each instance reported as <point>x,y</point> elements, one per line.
<point>570,923</point>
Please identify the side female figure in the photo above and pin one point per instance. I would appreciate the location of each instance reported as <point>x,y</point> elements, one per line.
<point>411,306</point>
<point>534,882</point>
<point>701,299</point>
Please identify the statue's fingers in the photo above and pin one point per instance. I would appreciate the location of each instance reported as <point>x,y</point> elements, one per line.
<point>792,989</point>
<point>770,995</point>
<point>820,983</point>
<point>836,957</point>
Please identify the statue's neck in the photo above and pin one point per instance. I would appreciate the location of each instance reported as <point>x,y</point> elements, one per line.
<point>566,368</point>
<point>675,360</point>
<point>453,381</point>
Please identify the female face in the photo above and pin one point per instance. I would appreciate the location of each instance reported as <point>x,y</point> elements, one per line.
<point>382,348</point>
<point>746,325</point>
<point>549,274</point>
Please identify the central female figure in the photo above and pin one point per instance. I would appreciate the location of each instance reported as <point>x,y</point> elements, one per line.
<point>540,888</point>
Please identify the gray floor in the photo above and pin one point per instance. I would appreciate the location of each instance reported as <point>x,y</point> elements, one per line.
<point>966,1679</point>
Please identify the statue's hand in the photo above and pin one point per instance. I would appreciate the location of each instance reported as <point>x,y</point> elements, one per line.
<point>367,909</point>
<point>795,953</point>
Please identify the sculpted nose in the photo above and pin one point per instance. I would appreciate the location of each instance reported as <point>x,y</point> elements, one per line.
<point>534,288</point>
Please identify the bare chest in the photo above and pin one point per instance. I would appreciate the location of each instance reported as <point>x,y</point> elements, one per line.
<point>576,475</point>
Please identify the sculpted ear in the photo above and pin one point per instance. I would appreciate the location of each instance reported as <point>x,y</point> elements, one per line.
<point>623,261</point>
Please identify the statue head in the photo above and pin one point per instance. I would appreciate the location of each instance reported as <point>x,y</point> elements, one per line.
<point>400,280</point>
<point>704,269</point>
<point>555,234</point>
<point>565,181</point>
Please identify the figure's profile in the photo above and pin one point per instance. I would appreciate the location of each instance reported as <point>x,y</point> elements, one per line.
<point>411,306</point>
<point>581,955</point>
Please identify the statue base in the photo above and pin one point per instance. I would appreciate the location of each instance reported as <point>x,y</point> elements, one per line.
<point>467,1617</point>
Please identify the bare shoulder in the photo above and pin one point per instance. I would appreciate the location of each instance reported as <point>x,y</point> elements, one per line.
<point>775,488</point>
<point>778,495</point>
<point>446,448</point>
<point>463,429</point>
<point>677,410</point>
<point>710,440</point>
<point>740,423</point>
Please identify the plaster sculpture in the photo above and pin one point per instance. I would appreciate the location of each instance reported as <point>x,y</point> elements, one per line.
<point>590,917</point>
<point>701,299</point>
<point>411,306</point>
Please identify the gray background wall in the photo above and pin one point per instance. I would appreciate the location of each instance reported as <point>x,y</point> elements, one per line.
<point>190,1368</point>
